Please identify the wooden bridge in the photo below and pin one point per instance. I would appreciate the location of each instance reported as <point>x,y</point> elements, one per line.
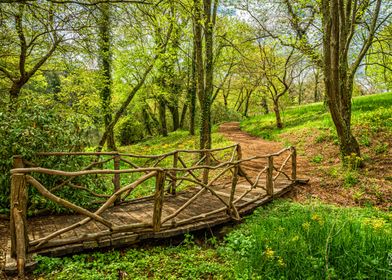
<point>127,198</point>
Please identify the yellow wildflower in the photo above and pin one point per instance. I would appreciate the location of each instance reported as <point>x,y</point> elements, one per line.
<point>295,238</point>
<point>378,224</point>
<point>306,225</point>
<point>318,219</point>
<point>269,253</point>
<point>281,262</point>
<point>375,223</point>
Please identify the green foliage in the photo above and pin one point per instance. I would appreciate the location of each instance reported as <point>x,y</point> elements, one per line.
<point>317,159</point>
<point>282,241</point>
<point>381,148</point>
<point>130,131</point>
<point>312,241</point>
<point>350,178</point>
<point>220,114</point>
<point>186,261</point>
<point>30,129</point>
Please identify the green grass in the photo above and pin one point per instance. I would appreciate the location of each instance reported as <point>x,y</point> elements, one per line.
<point>284,240</point>
<point>186,261</point>
<point>312,241</point>
<point>175,140</point>
<point>374,111</point>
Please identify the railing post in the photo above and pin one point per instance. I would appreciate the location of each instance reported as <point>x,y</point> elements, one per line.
<point>116,177</point>
<point>270,180</point>
<point>293,163</point>
<point>18,216</point>
<point>234,182</point>
<point>158,200</point>
<point>174,174</point>
<point>206,171</point>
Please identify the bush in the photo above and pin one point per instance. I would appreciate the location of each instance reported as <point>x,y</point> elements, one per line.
<point>219,114</point>
<point>30,129</point>
<point>130,131</point>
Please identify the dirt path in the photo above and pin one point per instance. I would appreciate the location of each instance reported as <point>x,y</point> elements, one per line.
<point>255,146</point>
<point>251,145</point>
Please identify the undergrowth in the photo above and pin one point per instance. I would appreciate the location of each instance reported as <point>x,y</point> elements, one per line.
<point>284,240</point>
<point>312,241</point>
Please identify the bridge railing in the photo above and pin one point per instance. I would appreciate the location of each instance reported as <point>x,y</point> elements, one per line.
<point>168,173</point>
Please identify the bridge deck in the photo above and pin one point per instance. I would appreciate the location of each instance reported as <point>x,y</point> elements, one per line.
<point>141,211</point>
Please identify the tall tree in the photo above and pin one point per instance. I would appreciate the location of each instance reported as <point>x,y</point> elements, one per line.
<point>205,19</point>
<point>33,36</point>
<point>340,20</point>
<point>105,63</point>
<point>348,31</point>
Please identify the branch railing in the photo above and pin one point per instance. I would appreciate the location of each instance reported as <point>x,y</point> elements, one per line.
<point>207,169</point>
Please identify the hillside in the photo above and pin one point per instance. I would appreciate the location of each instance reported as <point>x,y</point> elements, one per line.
<point>310,129</point>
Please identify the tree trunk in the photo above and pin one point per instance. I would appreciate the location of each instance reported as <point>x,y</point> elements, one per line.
<point>338,83</point>
<point>146,120</point>
<point>264,104</point>
<point>192,93</point>
<point>175,116</point>
<point>183,115</point>
<point>162,116</point>
<point>105,65</point>
<point>316,86</point>
<point>247,99</point>
<point>279,123</point>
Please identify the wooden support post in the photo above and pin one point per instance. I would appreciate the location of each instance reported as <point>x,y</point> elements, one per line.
<point>206,171</point>
<point>293,164</point>
<point>18,224</point>
<point>239,152</point>
<point>116,177</point>
<point>158,200</point>
<point>270,179</point>
<point>232,210</point>
<point>174,174</point>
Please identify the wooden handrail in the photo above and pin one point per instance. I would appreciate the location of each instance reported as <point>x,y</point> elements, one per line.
<point>204,173</point>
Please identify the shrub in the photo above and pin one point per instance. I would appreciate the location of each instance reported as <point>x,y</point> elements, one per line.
<point>130,131</point>
<point>219,114</point>
<point>30,129</point>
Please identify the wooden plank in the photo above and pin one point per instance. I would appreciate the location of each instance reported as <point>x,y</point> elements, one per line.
<point>235,197</point>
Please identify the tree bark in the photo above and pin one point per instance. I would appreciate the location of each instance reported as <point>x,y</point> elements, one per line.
<point>192,93</point>
<point>105,59</point>
<point>279,123</point>
<point>162,115</point>
<point>338,82</point>
<point>175,116</point>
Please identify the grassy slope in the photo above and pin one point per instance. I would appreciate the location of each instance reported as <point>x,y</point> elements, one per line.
<point>311,130</point>
<point>373,110</point>
<point>175,140</point>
